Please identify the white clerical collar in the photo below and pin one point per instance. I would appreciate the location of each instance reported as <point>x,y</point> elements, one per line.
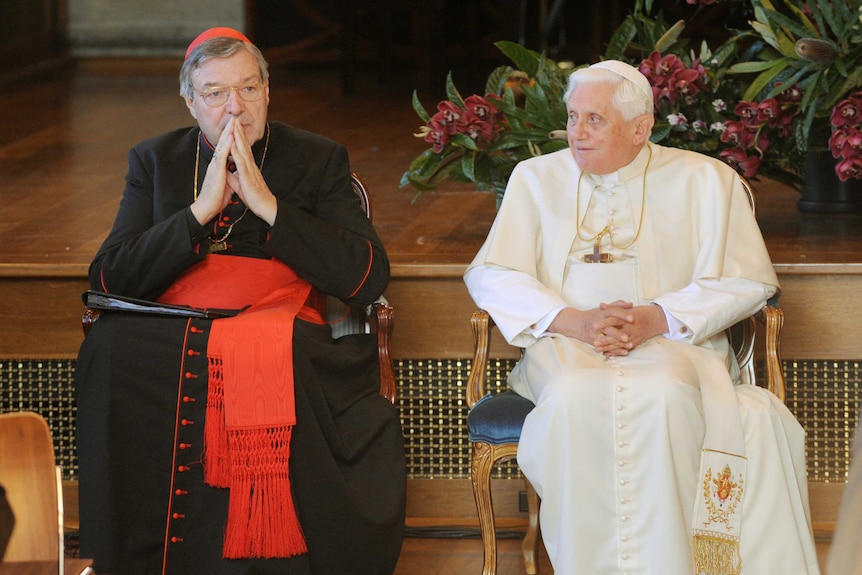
<point>635,168</point>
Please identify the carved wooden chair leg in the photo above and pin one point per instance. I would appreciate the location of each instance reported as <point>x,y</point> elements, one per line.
<point>530,545</point>
<point>480,473</point>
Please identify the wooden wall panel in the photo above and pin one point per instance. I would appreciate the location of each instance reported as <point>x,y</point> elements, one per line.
<point>820,316</point>
<point>432,317</point>
<point>41,318</point>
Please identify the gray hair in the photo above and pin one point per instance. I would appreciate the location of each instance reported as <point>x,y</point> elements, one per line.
<point>630,100</point>
<point>220,47</point>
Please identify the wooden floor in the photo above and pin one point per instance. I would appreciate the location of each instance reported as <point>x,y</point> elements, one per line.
<point>63,145</point>
<point>463,555</point>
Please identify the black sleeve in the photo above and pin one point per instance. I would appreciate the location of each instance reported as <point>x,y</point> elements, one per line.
<point>145,250</point>
<point>327,239</point>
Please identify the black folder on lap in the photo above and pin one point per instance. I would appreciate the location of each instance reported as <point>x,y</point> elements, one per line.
<point>104,301</point>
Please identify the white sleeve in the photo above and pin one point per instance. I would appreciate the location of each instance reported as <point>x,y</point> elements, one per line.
<point>521,306</point>
<point>706,307</point>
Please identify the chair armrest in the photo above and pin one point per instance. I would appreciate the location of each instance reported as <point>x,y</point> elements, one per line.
<point>481,324</point>
<point>88,319</point>
<point>381,322</point>
<point>772,317</point>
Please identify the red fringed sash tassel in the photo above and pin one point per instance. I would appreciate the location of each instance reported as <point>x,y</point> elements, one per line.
<point>251,367</point>
<point>262,520</point>
<point>215,456</point>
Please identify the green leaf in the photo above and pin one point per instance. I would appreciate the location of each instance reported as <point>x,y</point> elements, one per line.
<point>659,132</point>
<point>497,80</point>
<point>464,141</point>
<point>420,109</point>
<point>803,18</point>
<point>754,66</point>
<point>783,81</point>
<point>805,128</point>
<point>766,33</point>
<point>621,39</point>
<point>852,82</point>
<point>523,58</point>
<point>552,146</point>
<point>722,55</point>
<point>783,40</point>
<point>763,80</point>
<point>668,38</point>
<point>800,27</point>
<point>812,92</point>
<point>535,102</point>
<point>467,163</point>
<point>452,92</point>
<point>425,165</point>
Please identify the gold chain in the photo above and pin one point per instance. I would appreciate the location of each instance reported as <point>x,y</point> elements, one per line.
<point>220,244</point>
<point>607,228</point>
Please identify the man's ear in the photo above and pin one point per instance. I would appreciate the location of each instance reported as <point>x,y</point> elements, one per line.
<point>643,128</point>
<point>190,106</point>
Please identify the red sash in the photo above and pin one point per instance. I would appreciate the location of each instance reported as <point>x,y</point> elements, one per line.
<point>250,405</point>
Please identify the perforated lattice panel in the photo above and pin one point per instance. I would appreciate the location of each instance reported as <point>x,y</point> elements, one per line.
<point>431,396</point>
<point>824,395</point>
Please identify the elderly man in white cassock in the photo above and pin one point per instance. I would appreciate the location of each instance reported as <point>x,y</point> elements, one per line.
<point>617,265</point>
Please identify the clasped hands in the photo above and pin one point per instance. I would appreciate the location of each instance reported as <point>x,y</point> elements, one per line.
<point>614,329</point>
<point>247,182</point>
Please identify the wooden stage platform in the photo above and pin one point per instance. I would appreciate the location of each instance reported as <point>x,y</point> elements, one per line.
<point>63,145</point>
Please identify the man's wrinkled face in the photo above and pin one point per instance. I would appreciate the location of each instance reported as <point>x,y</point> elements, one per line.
<point>600,138</point>
<point>231,73</point>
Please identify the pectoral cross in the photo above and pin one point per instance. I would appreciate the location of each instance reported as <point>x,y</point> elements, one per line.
<point>217,246</point>
<point>597,257</point>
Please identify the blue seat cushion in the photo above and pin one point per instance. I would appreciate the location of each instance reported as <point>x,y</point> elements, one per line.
<point>498,418</point>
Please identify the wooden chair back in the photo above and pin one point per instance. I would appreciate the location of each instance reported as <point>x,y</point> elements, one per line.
<point>28,472</point>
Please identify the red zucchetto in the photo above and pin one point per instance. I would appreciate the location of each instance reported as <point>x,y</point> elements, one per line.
<point>217,32</point>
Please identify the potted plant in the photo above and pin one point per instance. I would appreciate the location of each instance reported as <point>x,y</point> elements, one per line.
<point>814,51</point>
<point>700,105</point>
<point>752,101</point>
<point>480,138</point>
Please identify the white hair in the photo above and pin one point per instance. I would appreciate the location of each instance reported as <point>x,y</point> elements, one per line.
<point>630,100</point>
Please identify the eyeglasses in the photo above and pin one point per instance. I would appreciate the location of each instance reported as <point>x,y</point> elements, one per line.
<point>216,96</point>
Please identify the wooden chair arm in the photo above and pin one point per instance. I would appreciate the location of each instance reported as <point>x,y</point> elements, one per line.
<point>772,317</point>
<point>742,340</point>
<point>381,320</point>
<point>481,324</point>
<point>88,319</point>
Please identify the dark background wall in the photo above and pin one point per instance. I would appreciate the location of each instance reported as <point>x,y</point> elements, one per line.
<point>32,35</point>
<point>422,39</point>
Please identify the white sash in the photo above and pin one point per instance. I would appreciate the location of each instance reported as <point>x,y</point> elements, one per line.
<point>716,527</point>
